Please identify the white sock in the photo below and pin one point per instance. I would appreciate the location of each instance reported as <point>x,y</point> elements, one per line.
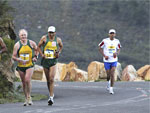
<point>51,97</point>
<point>109,83</point>
<point>111,88</point>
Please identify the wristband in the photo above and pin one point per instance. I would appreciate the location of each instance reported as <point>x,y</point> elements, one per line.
<point>36,56</point>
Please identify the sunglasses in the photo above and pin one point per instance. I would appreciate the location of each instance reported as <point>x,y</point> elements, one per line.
<point>50,32</point>
<point>111,33</point>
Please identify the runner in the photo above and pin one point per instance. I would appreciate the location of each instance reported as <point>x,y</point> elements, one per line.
<point>110,49</point>
<point>52,47</point>
<point>23,53</point>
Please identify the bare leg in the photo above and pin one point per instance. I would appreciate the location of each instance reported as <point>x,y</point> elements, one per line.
<point>112,71</point>
<point>28,75</point>
<point>51,78</point>
<point>108,75</point>
<point>22,76</point>
<point>46,71</point>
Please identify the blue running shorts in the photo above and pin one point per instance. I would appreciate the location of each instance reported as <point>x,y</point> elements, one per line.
<point>109,65</point>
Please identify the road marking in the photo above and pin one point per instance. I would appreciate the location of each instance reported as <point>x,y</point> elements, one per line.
<point>39,111</point>
<point>138,98</point>
<point>90,106</point>
<point>85,106</point>
<point>28,111</point>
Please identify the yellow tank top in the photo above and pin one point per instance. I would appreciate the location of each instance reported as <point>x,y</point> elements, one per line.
<point>25,52</point>
<point>49,48</point>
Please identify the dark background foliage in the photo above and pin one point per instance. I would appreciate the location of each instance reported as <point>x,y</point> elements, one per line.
<point>83,24</point>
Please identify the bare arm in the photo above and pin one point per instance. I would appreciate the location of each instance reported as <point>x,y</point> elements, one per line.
<point>36,53</point>
<point>60,44</point>
<point>34,46</point>
<point>118,51</point>
<point>14,55</point>
<point>118,48</point>
<point>41,42</point>
<point>101,51</point>
<point>3,46</point>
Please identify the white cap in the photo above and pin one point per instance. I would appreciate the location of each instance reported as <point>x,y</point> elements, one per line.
<point>51,29</point>
<point>112,31</point>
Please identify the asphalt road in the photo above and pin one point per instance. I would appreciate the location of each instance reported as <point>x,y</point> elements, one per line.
<point>88,97</point>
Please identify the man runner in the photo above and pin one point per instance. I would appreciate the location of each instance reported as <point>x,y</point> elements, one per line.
<point>52,47</point>
<point>110,49</point>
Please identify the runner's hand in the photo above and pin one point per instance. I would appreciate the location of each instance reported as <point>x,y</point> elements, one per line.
<point>106,57</point>
<point>57,54</point>
<point>43,56</point>
<point>114,55</point>
<point>34,59</point>
<point>22,61</point>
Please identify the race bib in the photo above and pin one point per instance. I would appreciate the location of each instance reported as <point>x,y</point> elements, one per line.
<point>49,54</point>
<point>111,49</point>
<point>24,57</point>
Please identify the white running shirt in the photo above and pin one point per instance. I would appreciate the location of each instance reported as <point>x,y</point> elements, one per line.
<point>110,47</point>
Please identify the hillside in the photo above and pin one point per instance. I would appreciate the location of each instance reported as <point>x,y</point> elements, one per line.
<point>83,24</point>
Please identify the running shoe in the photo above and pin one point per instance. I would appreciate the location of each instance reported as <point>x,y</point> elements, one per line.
<point>111,91</point>
<point>50,101</point>
<point>30,101</point>
<point>25,103</point>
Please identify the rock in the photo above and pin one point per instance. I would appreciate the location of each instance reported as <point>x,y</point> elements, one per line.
<point>144,72</point>
<point>137,79</point>
<point>102,71</point>
<point>38,73</point>
<point>79,75</point>
<point>97,71</point>
<point>147,76</point>
<point>118,72</point>
<point>63,72</point>
<point>60,71</point>
<point>129,73</point>
<point>66,74</point>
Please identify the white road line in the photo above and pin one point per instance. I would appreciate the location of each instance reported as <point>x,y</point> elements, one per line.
<point>144,92</point>
<point>75,107</point>
<point>92,106</point>
<point>39,111</point>
<point>28,111</point>
<point>124,101</point>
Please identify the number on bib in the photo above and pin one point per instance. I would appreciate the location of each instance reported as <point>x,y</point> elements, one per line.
<point>49,54</point>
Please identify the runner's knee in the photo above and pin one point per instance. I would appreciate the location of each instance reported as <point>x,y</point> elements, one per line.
<point>51,79</point>
<point>27,80</point>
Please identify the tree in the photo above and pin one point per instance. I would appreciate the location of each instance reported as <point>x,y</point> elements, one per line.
<point>6,20</point>
<point>6,30</point>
